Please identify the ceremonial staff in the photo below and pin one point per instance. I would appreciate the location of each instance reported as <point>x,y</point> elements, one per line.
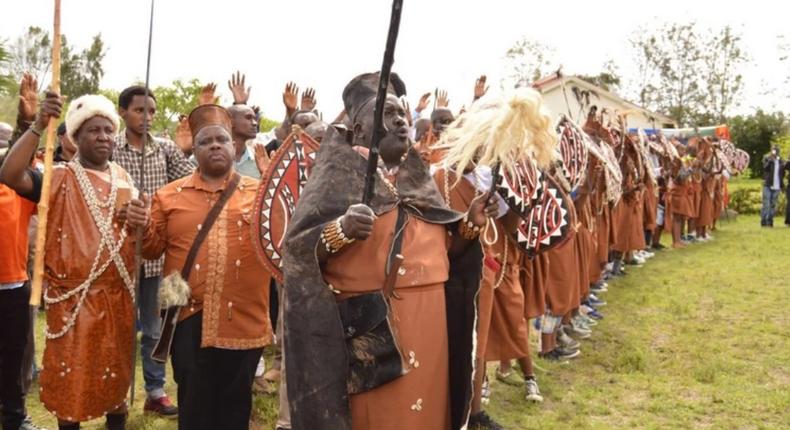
<point>379,131</point>
<point>43,203</point>
<point>138,243</point>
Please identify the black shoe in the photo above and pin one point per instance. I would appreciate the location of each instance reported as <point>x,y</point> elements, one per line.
<point>659,247</point>
<point>481,421</point>
<point>552,355</point>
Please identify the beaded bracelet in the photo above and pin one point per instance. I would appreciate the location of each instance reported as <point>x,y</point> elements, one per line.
<point>333,237</point>
<point>468,229</point>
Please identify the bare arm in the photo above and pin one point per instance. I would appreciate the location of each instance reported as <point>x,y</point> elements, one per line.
<point>13,172</point>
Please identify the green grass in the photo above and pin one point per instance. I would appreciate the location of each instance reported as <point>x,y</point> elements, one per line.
<point>697,338</point>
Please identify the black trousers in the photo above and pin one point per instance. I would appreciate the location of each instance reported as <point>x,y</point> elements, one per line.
<point>14,327</point>
<point>214,385</point>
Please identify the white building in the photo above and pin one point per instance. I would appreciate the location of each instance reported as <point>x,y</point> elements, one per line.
<point>572,96</point>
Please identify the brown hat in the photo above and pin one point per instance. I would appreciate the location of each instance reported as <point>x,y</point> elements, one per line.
<point>362,90</point>
<point>208,115</point>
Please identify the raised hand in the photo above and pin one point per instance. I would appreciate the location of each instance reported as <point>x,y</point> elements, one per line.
<point>357,223</point>
<point>290,97</point>
<point>441,99</point>
<point>405,103</point>
<point>28,97</point>
<point>207,96</point>
<point>183,137</point>
<point>423,103</point>
<point>308,99</point>
<point>480,87</point>
<point>262,159</point>
<point>236,85</point>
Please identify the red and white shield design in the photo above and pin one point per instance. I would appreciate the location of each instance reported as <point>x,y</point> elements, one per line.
<point>741,160</point>
<point>279,191</point>
<point>573,152</point>
<point>520,186</point>
<point>549,222</point>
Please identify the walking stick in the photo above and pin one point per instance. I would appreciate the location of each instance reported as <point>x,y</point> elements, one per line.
<point>381,96</point>
<point>138,243</point>
<point>43,203</point>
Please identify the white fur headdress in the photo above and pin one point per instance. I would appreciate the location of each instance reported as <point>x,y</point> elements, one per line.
<point>85,108</point>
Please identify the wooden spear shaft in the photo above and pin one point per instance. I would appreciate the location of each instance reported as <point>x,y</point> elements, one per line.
<point>43,203</point>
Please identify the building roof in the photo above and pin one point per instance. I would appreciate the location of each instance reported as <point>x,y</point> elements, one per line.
<point>557,79</point>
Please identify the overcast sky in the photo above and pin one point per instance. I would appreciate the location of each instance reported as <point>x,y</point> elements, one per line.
<point>445,43</point>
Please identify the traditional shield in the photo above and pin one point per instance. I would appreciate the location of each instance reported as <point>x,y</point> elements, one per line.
<point>279,191</point>
<point>549,221</point>
<point>573,152</point>
<point>741,160</point>
<point>520,186</point>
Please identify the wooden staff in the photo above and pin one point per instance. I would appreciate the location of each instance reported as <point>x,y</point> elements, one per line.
<point>43,203</point>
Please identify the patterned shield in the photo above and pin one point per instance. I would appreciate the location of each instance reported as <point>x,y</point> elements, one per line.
<point>741,160</point>
<point>573,152</point>
<point>520,186</point>
<point>549,222</point>
<point>279,191</point>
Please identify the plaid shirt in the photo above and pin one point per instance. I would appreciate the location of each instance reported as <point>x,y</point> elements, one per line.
<point>164,163</point>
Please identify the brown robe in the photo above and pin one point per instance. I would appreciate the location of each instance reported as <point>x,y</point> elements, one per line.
<point>419,399</point>
<point>534,272</point>
<point>86,372</point>
<point>650,200</point>
<point>707,210</point>
<point>679,199</point>
<point>562,292</point>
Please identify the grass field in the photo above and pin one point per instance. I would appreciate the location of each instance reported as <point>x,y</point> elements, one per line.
<point>697,338</point>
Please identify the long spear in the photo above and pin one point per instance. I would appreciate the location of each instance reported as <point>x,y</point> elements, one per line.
<point>43,203</point>
<point>138,244</point>
<point>379,131</point>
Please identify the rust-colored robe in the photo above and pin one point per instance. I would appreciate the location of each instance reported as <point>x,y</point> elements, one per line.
<point>534,272</point>
<point>562,292</point>
<point>86,372</point>
<point>707,209</point>
<point>420,399</point>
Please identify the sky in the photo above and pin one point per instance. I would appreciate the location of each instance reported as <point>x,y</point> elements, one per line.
<point>442,43</point>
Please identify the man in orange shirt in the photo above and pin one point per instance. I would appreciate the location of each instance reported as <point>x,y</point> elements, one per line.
<point>223,319</point>
<point>15,211</point>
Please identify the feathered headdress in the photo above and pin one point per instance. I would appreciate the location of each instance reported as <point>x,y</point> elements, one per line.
<point>501,131</point>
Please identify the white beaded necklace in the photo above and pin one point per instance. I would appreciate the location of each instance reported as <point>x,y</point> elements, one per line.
<point>106,229</point>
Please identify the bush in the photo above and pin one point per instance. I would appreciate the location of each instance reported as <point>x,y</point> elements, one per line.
<point>749,201</point>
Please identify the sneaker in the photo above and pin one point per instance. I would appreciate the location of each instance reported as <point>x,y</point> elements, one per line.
<point>646,254</point>
<point>552,355</point>
<point>594,314</point>
<point>27,424</point>
<point>599,287</point>
<point>577,332</point>
<point>659,247</point>
<point>533,392</point>
<point>595,301</point>
<point>485,391</point>
<point>635,261</point>
<point>588,322</point>
<point>566,341</point>
<point>161,406</point>
<point>567,353</point>
<point>481,421</point>
<point>509,377</point>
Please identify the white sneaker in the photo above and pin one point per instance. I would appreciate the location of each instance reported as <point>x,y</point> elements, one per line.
<point>639,260</point>
<point>533,392</point>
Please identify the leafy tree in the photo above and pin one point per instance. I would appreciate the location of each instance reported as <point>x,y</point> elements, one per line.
<point>81,72</point>
<point>179,98</point>
<point>755,133</point>
<point>527,61</point>
<point>31,53</point>
<point>724,82</point>
<point>7,84</point>
<point>609,79</point>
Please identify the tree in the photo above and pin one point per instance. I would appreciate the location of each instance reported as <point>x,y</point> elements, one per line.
<point>527,61</point>
<point>784,57</point>
<point>7,84</point>
<point>609,79</point>
<point>724,82</point>
<point>179,98</point>
<point>81,72</point>
<point>31,53</point>
<point>755,133</point>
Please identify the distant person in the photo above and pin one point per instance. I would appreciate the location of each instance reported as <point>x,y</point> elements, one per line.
<point>773,175</point>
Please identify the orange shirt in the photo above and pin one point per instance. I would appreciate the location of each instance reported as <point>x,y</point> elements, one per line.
<point>15,213</point>
<point>228,283</point>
